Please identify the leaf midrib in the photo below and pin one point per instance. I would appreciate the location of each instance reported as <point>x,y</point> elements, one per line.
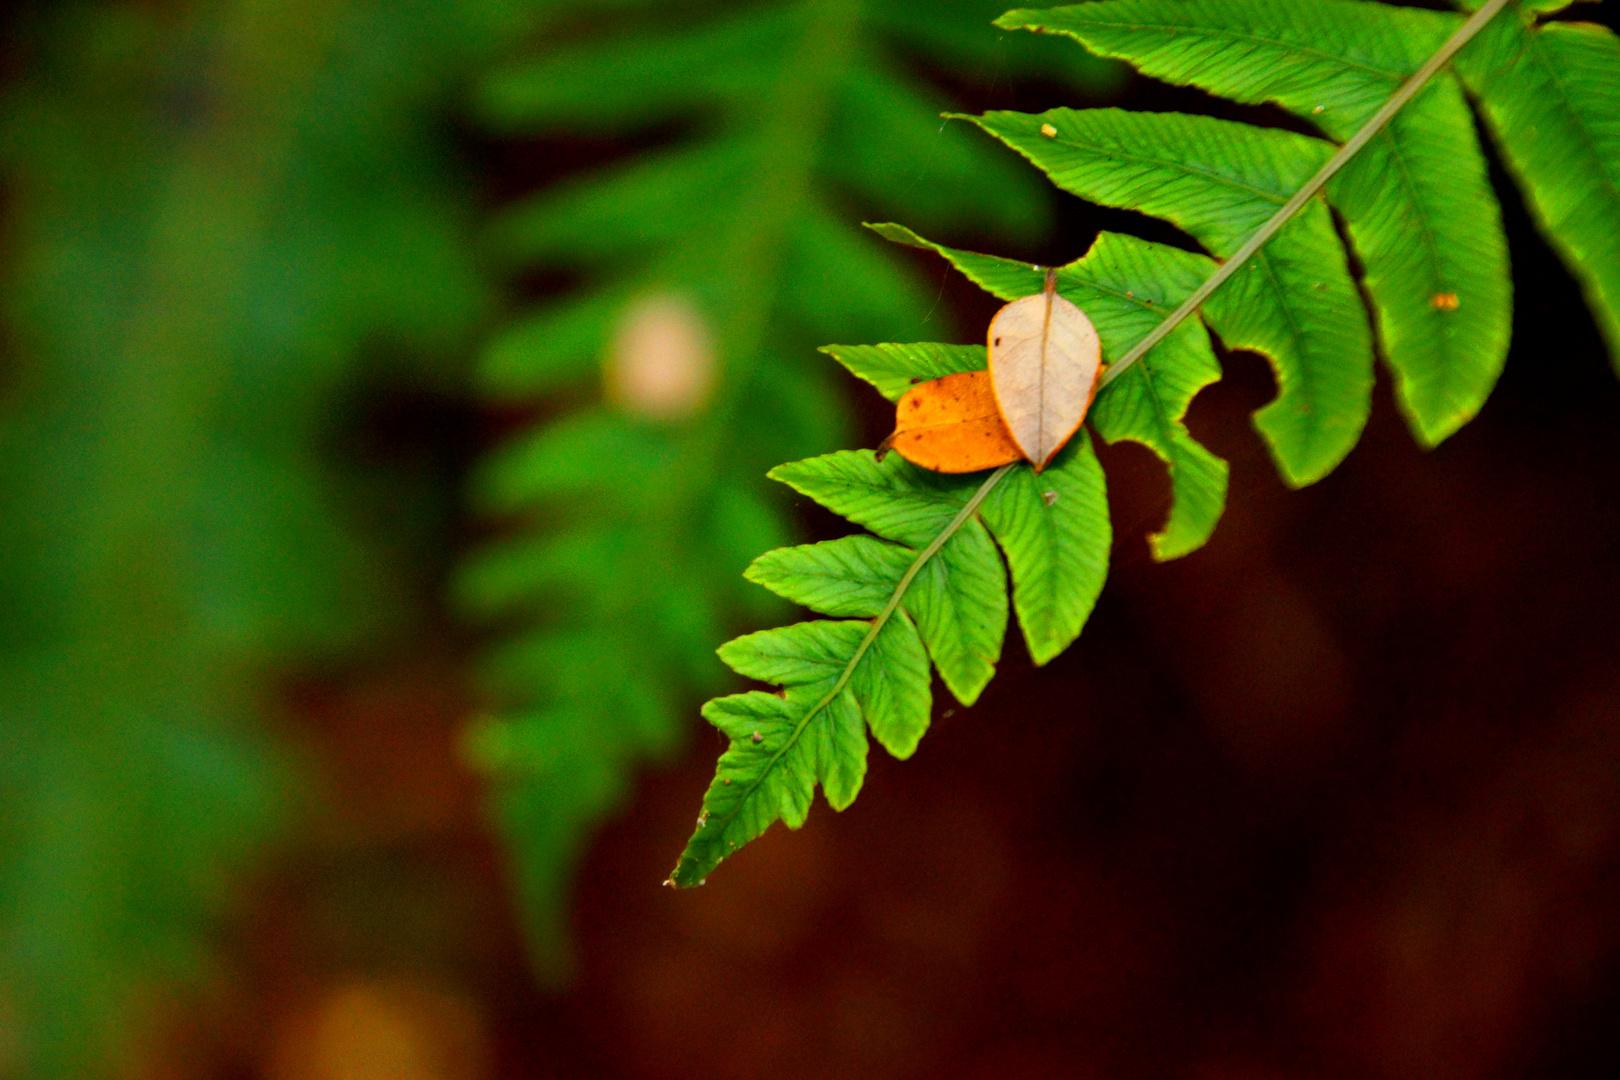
<point>878,622</point>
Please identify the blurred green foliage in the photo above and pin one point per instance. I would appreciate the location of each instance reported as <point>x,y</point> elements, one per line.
<point>772,126</point>
<point>225,225</point>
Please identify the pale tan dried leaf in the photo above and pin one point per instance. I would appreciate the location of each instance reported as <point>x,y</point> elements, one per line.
<point>1044,359</point>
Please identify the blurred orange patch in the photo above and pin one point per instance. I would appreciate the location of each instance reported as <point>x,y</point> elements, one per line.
<point>383,1030</point>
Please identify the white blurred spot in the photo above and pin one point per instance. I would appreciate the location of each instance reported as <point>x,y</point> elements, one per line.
<point>661,362</point>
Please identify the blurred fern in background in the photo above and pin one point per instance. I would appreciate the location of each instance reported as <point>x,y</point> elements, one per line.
<point>708,270</point>
<point>222,226</point>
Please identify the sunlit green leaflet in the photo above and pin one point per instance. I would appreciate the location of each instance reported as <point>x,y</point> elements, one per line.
<point>766,774</point>
<point>623,567</point>
<point>1416,201</point>
<point>1551,98</point>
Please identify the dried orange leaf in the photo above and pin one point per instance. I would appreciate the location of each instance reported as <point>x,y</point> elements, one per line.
<point>1044,360</point>
<point>952,425</point>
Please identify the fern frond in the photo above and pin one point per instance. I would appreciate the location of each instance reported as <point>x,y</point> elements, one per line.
<point>1283,288</point>
<point>1416,201</point>
<point>794,107</point>
<point>835,675</point>
<point>942,568</point>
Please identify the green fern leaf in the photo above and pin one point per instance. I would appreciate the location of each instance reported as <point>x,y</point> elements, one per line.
<point>1416,200</point>
<point>806,652</point>
<point>890,682</point>
<point>894,369</point>
<point>834,673</point>
<point>858,574</point>
<point>1054,529</point>
<point>891,497</point>
<point>1552,101</point>
<point>893,686</point>
<point>1128,286</point>
<point>1236,190</point>
<point>959,598</point>
<point>781,748</point>
<point>1219,181</point>
<point>851,577</point>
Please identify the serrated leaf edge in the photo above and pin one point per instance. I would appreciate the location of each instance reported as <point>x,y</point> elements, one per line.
<point>969,508</point>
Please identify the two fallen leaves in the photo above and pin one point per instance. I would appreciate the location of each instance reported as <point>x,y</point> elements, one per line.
<point>1045,360</point>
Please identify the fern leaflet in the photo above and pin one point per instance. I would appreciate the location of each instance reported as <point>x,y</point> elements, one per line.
<point>1552,102</point>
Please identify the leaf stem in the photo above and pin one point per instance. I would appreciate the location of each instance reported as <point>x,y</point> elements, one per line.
<point>1408,90</point>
